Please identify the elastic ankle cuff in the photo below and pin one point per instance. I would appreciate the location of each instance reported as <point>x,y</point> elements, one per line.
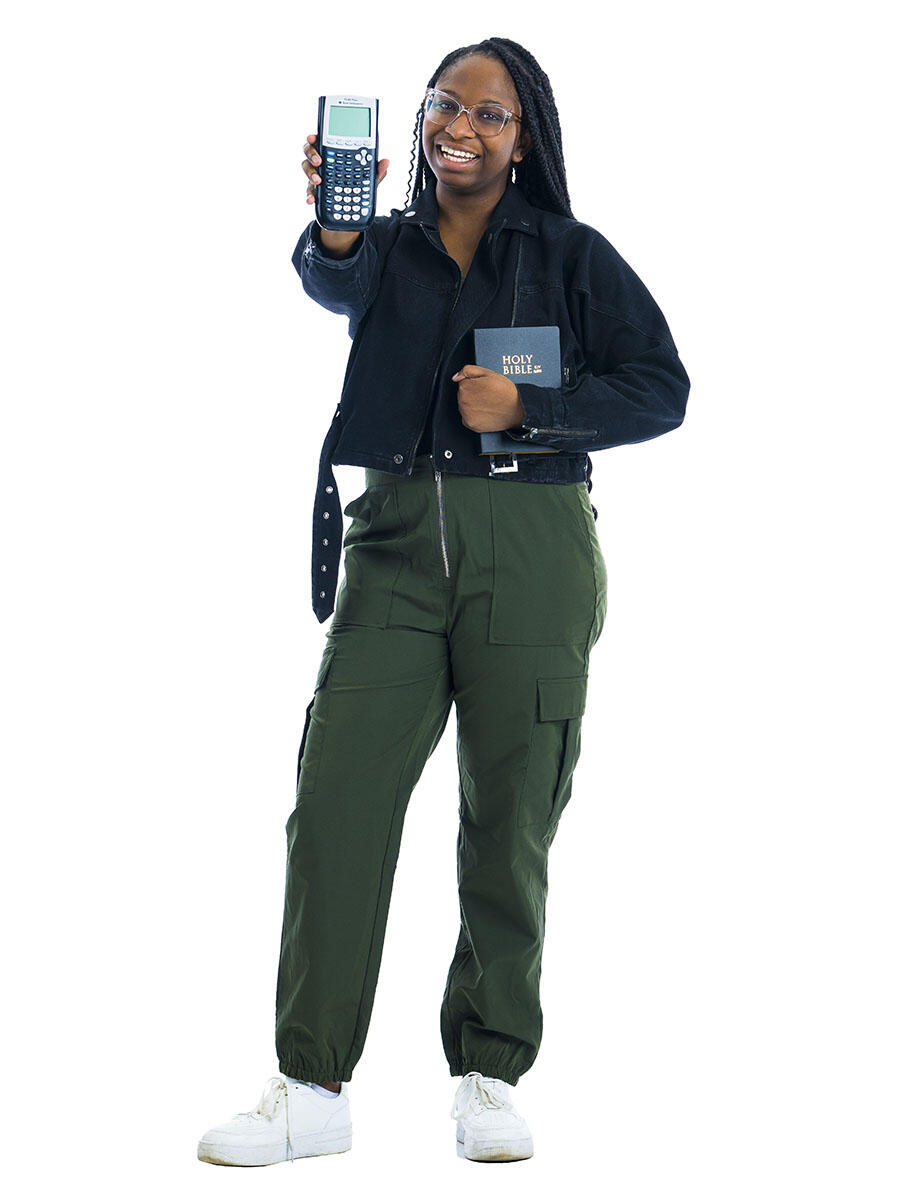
<point>312,1072</point>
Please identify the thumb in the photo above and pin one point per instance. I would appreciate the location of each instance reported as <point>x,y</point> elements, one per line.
<point>467,371</point>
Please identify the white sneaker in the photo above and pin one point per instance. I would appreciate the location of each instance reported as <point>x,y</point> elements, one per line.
<point>291,1121</point>
<point>488,1128</point>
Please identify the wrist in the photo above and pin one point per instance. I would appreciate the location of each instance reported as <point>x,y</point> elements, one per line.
<point>520,418</point>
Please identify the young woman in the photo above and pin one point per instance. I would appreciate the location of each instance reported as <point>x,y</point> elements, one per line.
<point>470,580</point>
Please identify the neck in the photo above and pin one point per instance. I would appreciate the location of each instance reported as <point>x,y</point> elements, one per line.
<point>467,210</point>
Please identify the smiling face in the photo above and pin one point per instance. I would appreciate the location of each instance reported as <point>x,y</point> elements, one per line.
<point>476,80</point>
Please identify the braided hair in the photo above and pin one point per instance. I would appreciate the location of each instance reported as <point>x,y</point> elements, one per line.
<point>542,173</point>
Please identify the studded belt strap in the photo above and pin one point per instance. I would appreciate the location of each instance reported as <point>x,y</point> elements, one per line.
<point>327,528</point>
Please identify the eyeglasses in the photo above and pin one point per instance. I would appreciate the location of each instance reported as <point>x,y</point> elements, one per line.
<point>487,120</point>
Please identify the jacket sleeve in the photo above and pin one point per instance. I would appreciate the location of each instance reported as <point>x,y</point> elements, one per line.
<point>342,285</point>
<point>633,385</point>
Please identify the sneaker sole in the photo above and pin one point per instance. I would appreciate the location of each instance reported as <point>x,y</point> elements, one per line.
<point>499,1150</point>
<point>269,1153</point>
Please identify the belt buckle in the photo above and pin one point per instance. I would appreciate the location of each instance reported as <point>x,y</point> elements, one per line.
<point>495,470</point>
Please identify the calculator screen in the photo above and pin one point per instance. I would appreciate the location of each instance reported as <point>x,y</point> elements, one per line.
<point>347,120</point>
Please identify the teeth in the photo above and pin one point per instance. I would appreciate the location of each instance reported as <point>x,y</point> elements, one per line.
<point>457,154</point>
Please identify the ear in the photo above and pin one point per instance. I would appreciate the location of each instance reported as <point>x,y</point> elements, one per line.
<point>523,145</point>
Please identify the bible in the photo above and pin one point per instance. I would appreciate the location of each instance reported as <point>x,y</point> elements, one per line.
<point>526,354</point>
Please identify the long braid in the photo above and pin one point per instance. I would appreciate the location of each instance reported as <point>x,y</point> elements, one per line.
<point>542,172</point>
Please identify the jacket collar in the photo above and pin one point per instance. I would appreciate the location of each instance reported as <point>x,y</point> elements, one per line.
<point>512,210</point>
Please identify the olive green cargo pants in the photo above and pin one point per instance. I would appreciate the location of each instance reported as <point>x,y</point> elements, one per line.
<point>489,593</point>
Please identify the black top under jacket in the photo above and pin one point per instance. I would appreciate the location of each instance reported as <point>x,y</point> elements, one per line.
<point>411,317</point>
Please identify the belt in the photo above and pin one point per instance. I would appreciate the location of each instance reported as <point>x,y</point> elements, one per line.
<point>327,528</point>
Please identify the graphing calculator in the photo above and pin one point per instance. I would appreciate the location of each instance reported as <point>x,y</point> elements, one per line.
<point>347,141</point>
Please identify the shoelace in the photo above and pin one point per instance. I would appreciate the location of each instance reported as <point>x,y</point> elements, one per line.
<point>475,1091</point>
<point>268,1106</point>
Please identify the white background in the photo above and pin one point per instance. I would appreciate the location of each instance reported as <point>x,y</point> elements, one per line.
<point>720,983</point>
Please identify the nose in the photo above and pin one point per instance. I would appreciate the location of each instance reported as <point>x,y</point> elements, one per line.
<point>456,118</point>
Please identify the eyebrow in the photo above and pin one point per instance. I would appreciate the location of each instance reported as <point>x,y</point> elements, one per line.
<point>483,100</point>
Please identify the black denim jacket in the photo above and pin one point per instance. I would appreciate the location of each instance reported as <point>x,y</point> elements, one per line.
<point>411,318</point>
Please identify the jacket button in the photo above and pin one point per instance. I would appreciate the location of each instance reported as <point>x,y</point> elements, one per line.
<point>324,568</point>
<point>448,454</point>
<point>321,593</point>
<point>329,488</point>
<point>324,541</point>
<point>326,515</point>
<point>398,458</point>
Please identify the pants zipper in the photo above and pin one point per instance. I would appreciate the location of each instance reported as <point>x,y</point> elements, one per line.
<point>440,499</point>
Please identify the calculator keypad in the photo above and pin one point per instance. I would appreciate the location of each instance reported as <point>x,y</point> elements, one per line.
<point>348,187</point>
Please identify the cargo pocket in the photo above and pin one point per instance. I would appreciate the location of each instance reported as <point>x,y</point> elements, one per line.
<point>544,588</point>
<point>371,560</point>
<point>314,728</point>
<point>553,750</point>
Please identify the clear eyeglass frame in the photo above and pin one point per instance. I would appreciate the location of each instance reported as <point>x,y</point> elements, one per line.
<point>471,113</point>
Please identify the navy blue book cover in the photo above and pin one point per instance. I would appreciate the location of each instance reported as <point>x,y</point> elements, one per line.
<point>526,354</point>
